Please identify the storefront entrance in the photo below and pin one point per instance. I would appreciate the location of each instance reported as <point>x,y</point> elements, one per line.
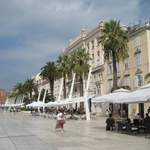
<point>141,109</point>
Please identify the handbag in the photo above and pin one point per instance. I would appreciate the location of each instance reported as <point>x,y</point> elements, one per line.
<point>62,121</point>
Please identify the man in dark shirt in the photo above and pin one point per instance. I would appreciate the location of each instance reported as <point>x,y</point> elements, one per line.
<point>110,122</point>
<point>146,119</point>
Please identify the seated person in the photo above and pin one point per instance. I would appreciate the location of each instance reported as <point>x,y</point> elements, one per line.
<point>128,120</point>
<point>124,119</point>
<point>146,119</point>
<point>110,122</point>
<point>137,116</point>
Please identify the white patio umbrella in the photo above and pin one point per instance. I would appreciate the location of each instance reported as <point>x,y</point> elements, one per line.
<point>141,95</point>
<point>66,101</point>
<point>122,90</point>
<point>31,104</point>
<point>73,100</point>
<point>35,104</point>
<point>39,104</point>
<point>111,98</point>
<point>51,104</point>
<point>92,96</point>
<point>13,105</point>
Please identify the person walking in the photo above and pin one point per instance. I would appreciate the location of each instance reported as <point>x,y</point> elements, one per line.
<point>60,121</point>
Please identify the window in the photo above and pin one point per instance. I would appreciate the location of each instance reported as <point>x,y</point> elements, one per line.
<point>110,85</point>
<point>93,57</point>
<point>75,90</point>
<point>117,65</point>
<point>118,82</point>
<point>126,63</point>
<point>137,41</point>
<point>126,81</point>
<point>101,76</point>
<point>138,59</point>
<point>138,81</point>
<point>97,54</point>
<point>110,69</point>
<point>88,48</point>
<point>95,91</point>
<point>97,41</point>
<point>92,44</point>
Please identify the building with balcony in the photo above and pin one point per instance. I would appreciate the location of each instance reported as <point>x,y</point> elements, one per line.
<point>130,72</point>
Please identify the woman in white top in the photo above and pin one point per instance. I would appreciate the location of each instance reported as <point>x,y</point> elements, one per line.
<point>58,123</point>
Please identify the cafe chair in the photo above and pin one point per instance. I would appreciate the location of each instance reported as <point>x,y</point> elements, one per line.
<point>131,129</point>
<point>147,130</point>
<point>136,122</point>
<point>120,127</point>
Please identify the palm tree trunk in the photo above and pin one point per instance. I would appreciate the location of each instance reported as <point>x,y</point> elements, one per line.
<point>114,73</point>
<point>115,86</point>
<point>31,95</point>
<point>64,87</point>
<point>81,86</point>
<point>52,89</point>
<point>16,99</point>
<point>81,94</point>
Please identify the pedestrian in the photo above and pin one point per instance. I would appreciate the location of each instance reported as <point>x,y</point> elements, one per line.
<point>107,112</point>
<point>14,110</point>
<point>110,122</point>
<point>60,121</point>
<point>148,111</point>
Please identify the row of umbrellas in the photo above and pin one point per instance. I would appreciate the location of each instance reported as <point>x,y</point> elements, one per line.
<point>118,96</point>
<point>66,101</point>
<point>125,96</point>
<point>13,105</point>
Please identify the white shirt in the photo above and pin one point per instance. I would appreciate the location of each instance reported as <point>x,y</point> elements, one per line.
<point>59,116</point>
<point>137,117</point>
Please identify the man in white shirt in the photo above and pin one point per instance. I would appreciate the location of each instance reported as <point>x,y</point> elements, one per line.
<point>137,116</point>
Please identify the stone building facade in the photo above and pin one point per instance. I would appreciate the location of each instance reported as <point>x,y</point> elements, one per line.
<point>131,71</point>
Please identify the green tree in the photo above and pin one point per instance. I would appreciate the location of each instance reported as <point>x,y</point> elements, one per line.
<point>30,87</point>
<point>19,91</point>
<point>63,69</point>
<point>80,65</point>
<point>147,77</point>
<point>47,97</point>
<point>114,42</point>
<point>49,71</point>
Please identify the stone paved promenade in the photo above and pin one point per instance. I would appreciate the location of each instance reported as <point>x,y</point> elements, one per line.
<point>25,132</point>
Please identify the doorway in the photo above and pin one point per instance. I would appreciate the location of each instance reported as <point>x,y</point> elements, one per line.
<point>141,109</point>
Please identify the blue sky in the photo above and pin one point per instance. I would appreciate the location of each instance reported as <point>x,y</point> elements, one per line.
<point>33,32</point>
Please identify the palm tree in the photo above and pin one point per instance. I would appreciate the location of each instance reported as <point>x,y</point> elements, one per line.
<point>63,69</point>
<point>147,77</point>
<point>19,90</point>
<point>19,87</point>
<point>49,71</point>
<point>30,87</point>
<point>47,97</point>
<point>80,65</point>
<point>114,41</point>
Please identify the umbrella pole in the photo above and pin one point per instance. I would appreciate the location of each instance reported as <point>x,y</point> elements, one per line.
<point>121,111</point>
<point>86,97</point>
